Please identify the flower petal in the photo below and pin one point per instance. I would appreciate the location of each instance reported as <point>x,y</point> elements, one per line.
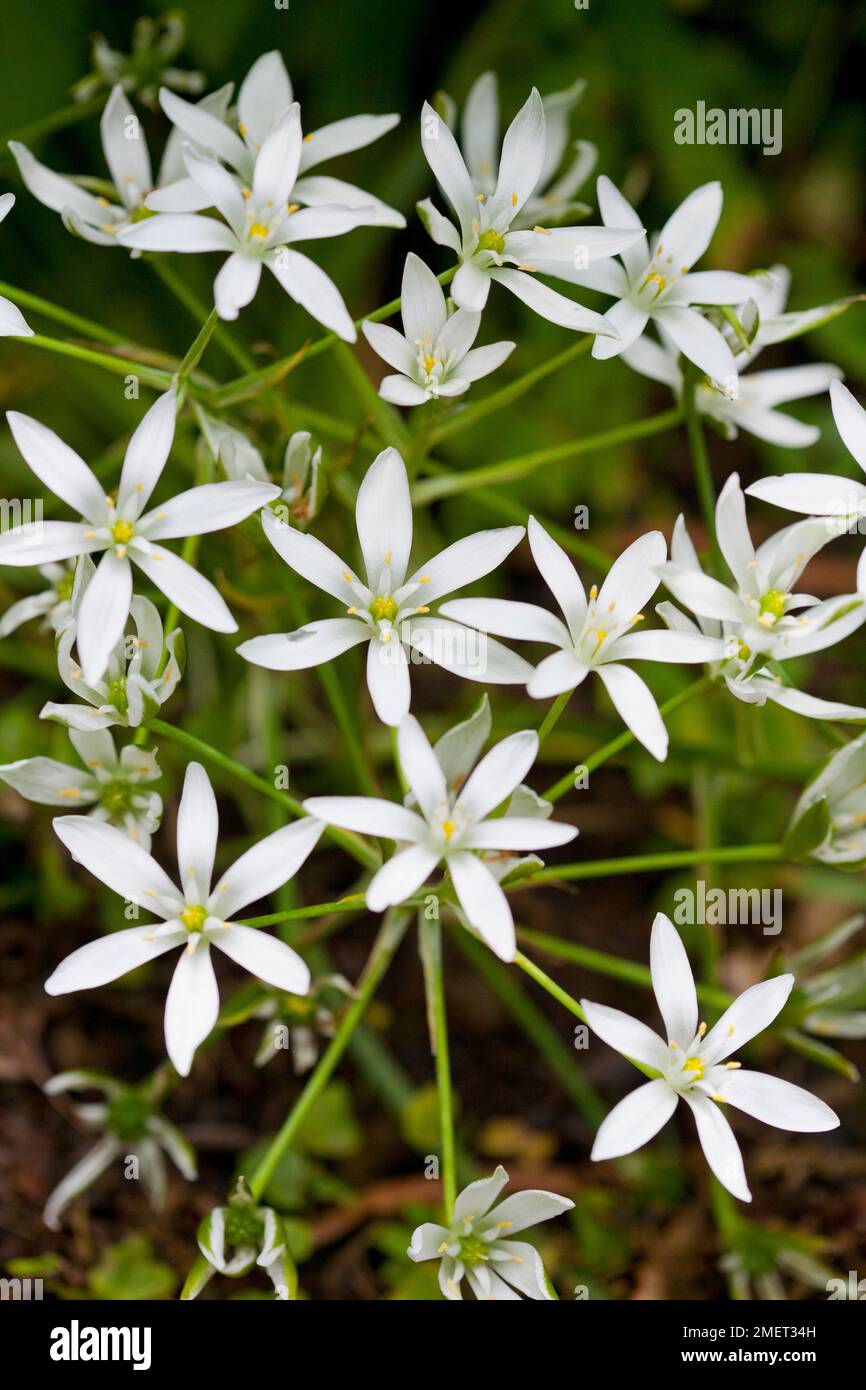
<point>850,420</point>
<point>777,1102</point>
<point>626,1034</point>
<point>673,982</point>
<point>443,155</point>
<point>208,507</point>
<point>465,561</point>
<point>699,341</point>
<point>421,767</point>
<point>125,148</point>
<point>636,706</point>
<point>634,1121</point>
<point>146,456</point>
<point>517,832</point>
<point>388,680</point>
<point>236,284</point>
<point>191,1006</point>
<point>368,815</point>
<point>521,621</point>
<point>265,957</point>
<point>560,576</point>
<point>554,675</point>
<point>311,645</point>
<point>102,615</point>
<point>550,304</point>
<point>59,467</point>
<point>265,867</point>
<point>749,1015</point>
<point>477,1199</point>
<point>383,515</point>
<point>721,1149</point>
<point>484,903</point>
<point>112,857</point>
<point>186,588</point>
<point>109,957</point>
<point>400,877</point>
<point>310,558</point>
<point>184,232</point>
<point>524,1209</point>
<point>498,773</point>
<point>197,833</point>
<point>315,291</point>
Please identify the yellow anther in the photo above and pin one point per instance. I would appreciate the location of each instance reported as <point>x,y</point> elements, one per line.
<point>638,618</point>
<point>593,593</point>
<point>544,231</point>
<point>448,828</point>
<point>703,1028</point>
<point>292,207</point>
<point>719,1098</point>
<point>69,792</point>
<point>424,579</point>
<point>422,608</point>
<point>246,194</point>
<point>351,612</point>
<point>730,1030</point>
<point>733,1066</point>
<point>194,917</point>
<point>308,138</point>
<point>429,364</point>
<point>611,606</point>
<point>514,200</point>
<point>242,130</point>
<point>348,578</point>
<point>389,555</point>
<point>103,202</point>
<point>258,229</point>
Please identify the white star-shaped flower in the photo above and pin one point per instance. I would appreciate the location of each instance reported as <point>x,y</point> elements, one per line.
<point>692,1066</point>
<point>389,612</point>
<point>119,527</point>
<point>453,829</point>
<point>196,916</point>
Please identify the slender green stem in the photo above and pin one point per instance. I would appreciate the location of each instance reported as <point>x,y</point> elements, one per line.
<point>197,348</point>
<point>551,718</point>
<point>198,310</point>
<point>701,468</point>
<point>510,470</point>
<point>646,863</point>
<point>430,933</point>
<point>118,366</point>
<point>86,327</point>
<point>464,417</point>
<point>393,929</point>
<point>349,841</point>
<point>384,417</point>
<point>67,115</point>
<point>616,745</point>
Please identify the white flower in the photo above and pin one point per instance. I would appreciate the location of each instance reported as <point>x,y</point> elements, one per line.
<point>479,1243</point>
<point>134,685</point>
<point>597,635</point>
<point>230,447</point>
<point>760,618</point>
<point>487,243</point>
<point>302,479</point>
<point>841,786</point>
<point>658,284</point>
<point>54,604</point>
<point>449,829</point>
<point>194,917</point>
<point>753,407</point>
<point>118,526</point>
<point>433,354</point>
<point>265,96</point>
<point>110,785</point>
<point>236,1237</point>
<point>12,321</point>
<point>132,1127</point>
<point>124,144</point>
<point>479,140</point>
<point>385,611</point>
<point>841,500</point>
<point>156,43</point>
<point>692,1066</point>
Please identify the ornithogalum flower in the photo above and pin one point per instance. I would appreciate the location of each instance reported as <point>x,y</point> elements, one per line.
<point>135,682</point>
<point>53,605</point>
<point>486,239</point>
<point>237,138</point>
<point>658,283</point>
<point>597,634</point>
<point>760,617</point>
<point>194,917</point>
<point>237,1237</point>
<point>389,612</point>
<point>112,786</point>
<point>841,786</point>
<point>434,354</point>
<point>753,407</point>
<point>118,526</point>
<point>553,198</point>
<point>479,1244</point>
<point>841,501</point>
<point>450,829</point>
<point>692,1065</point>
<point>12,321</point>
<point>156,43</point>
<point>131,1126</point>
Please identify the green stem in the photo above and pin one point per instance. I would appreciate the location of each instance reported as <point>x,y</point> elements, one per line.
<point>384,417</point>
<point>86,327</point>
<point>198,310</point>
<point>550,719</point>
<point>118,366</point>
<point>57,120</point>
<point>616,745</point>
<point>393,928</point>
<point>349,841</point>
<point>462,419</point>
<point>430,933</point>
<point>510,470</point>
<point>646,863</point>
<point>197,348</point>
<point>701,468</point>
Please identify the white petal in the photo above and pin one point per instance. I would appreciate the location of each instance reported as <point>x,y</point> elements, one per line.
<point>702,594</point>
<point>59,467</point>
<point>421,767</point>
<point>698,340</point>
<point>369,815</point>
<point>688,231</point>
<point>815,494</point>
<point>264,95</point>
<point>383,514</point>
<point>186,588</point>
<point>636,706</point>
<point>400,877</point>
<point>617,211</point>
<point>312,645</point>
<point>517,832</point>
<point>477,1199</point>
<point>777,1102</point>
<point>265,867</point>
<point>522,1268</point>
<point>629,320</point>
<point>265,957</point>
<point>422,304</point>
<point>718,287</point>
<point>42,542</point>
<point>480,362</point>
<point>443,155</point>
<point>56,192</point>
<point>465,561</point>
<point>191,1006</point>
<point>391,346</point>
<point>749,1015</point>
<point>550,304</point>
<point>278,160</point>
<point>426,1240</point>
<point>721,1149</point>
<point>522,159</point>
<point>178,231</point>
<point>464,652</point>
<point>219,188</point>
<point>626,1034</point>
<point>631,580</point>
<point>399,390</point>
<point>850,420</point>
<point>310,558</point>
<point>208,507</point>
<point>79,1177</point>
<point>484,903</point>
<point>123,866</point>
<point>109,957</point>
<point>470,287</point>
<point>12,322</point>
<point>204,128</point>
<point>523,621</point>
<point>345,136</point>
<point>443,232</point>
<point>479,129</point>
<point>524,1209</point>
<point>634,1121</point>
<point>50,783</point>
<point>732,531</point>
<point>673,982</point>
<point>146,456</point>
<point>388,680</point>
<point>236,284</point>
<point>197,832</point>
<point>125,148</point>
<point>103,614</point>
<point>554,675</point>
<point>315,291</point>
<point>498,773</point>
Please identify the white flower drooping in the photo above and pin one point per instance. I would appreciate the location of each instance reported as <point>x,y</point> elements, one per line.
<point>389,612</point>
<point>692,1066</point>
<point>454,829</point>
<point>479,1245</point>
<point>195,916</point>
<point>119,527</point>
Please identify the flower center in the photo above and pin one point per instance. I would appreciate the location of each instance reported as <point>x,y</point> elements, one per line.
<point>772,605</point>
<point>117,694</point>
<point>448,829</point>
<point>116,797</point>
<point>474,1250</point>
<point>694,1065</point>
<point>259,230</point>
<point>194,917</point>
<point>243,1227</point>
<point>128,1115</point>
<point>122,532</point>
<point>491,241</point>
<point>429,363</point>
<point>383,607</point>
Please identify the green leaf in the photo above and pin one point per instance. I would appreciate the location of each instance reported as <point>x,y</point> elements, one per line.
<point>128,1271</point>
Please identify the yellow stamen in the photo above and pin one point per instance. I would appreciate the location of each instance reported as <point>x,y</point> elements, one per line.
<point>258,229</point>
<point>448,828</point>
<point>694,1064</point>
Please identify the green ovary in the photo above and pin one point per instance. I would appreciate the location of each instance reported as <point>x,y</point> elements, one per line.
<point>474,1250</point>
<point>773,603</point>
<point>383,607</point>
<point>491,241</point>
<point>117,694</point>
<point>194,917</point>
